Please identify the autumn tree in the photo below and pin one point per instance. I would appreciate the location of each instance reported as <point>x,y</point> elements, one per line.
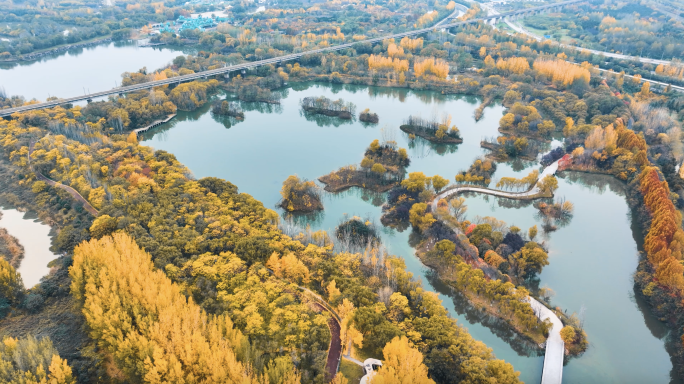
<point>121,292</point>
<point>416,182</point>
<point>402,364</point>
<point>419,218</point>
<point>561,71</point>
<point>568,334</point>
<point>11,287</point>
<point>300,195</point>
<point>548,184</point>
<point>437,67</point>
<point>438,182</point>
<point>30,360</point>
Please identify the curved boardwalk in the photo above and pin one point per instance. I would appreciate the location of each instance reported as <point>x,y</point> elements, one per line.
<point>77,196</point>
<point>555,348</point>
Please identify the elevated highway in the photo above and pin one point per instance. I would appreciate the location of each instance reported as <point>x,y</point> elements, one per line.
<point>491,19</point>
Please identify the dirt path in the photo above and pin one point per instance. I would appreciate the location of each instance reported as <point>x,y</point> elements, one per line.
<point>77,196</point>
<point>335,348</point>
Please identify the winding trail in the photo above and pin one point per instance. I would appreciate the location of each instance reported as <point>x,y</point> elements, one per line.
<point>332,363</point>
<point>77,196</point>
<point>555,348</point>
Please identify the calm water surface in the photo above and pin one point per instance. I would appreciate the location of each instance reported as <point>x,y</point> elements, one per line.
<point>80,70</point>
<point>592,259</point>
<point>35,237</point>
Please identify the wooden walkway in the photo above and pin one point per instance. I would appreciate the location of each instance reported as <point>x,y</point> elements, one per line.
<point>154,124</point>
<point>555,348</point>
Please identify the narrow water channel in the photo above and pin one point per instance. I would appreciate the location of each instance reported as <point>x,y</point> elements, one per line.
<point>591,260</point>
<point>34,236</point>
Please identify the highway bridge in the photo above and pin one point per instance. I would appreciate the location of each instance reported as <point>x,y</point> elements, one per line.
<point>492,19</point>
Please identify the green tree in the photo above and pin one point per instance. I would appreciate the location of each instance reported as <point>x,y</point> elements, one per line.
<point>376,329</point>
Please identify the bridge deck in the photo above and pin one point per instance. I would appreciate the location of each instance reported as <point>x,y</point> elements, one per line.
<point>275,60</point>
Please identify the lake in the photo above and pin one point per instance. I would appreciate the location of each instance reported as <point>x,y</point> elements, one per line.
<point>592,258</point>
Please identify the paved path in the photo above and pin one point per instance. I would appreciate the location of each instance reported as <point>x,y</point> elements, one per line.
<point>77,196</point>
<point>555,348</point>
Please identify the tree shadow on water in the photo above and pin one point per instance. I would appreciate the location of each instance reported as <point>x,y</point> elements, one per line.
<point>520,344</point>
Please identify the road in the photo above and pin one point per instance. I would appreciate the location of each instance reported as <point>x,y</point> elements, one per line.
<point>458,11</point>
<point>276,60</point>
<point>518,28</point>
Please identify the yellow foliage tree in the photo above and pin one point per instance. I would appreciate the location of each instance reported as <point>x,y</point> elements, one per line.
<point>394,50</point>
<point>402,364</point>
<point>561,71</point>
<point>436,67</point>
<point>411,44</point>
<point>379,62</point>
<point>517,65</point>
<point>289,267</point>
<point>144,321</point>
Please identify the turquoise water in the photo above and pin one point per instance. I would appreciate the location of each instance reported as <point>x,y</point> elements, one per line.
<point>592,259</point>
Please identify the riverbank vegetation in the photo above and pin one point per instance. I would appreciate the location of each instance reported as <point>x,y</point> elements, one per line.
<point>383,166</point>
<point>479,173</point>
<point>324,106</point>
<point>368,117</point>
<point>10,248</point>
<point>300,195</point>
<point>213,242</point>
<point>221,230</point>
<point>499,299</point>
<point>408,201</point>
<point>356,233</point>
<point>439,131</point>
<point>228,108</point>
